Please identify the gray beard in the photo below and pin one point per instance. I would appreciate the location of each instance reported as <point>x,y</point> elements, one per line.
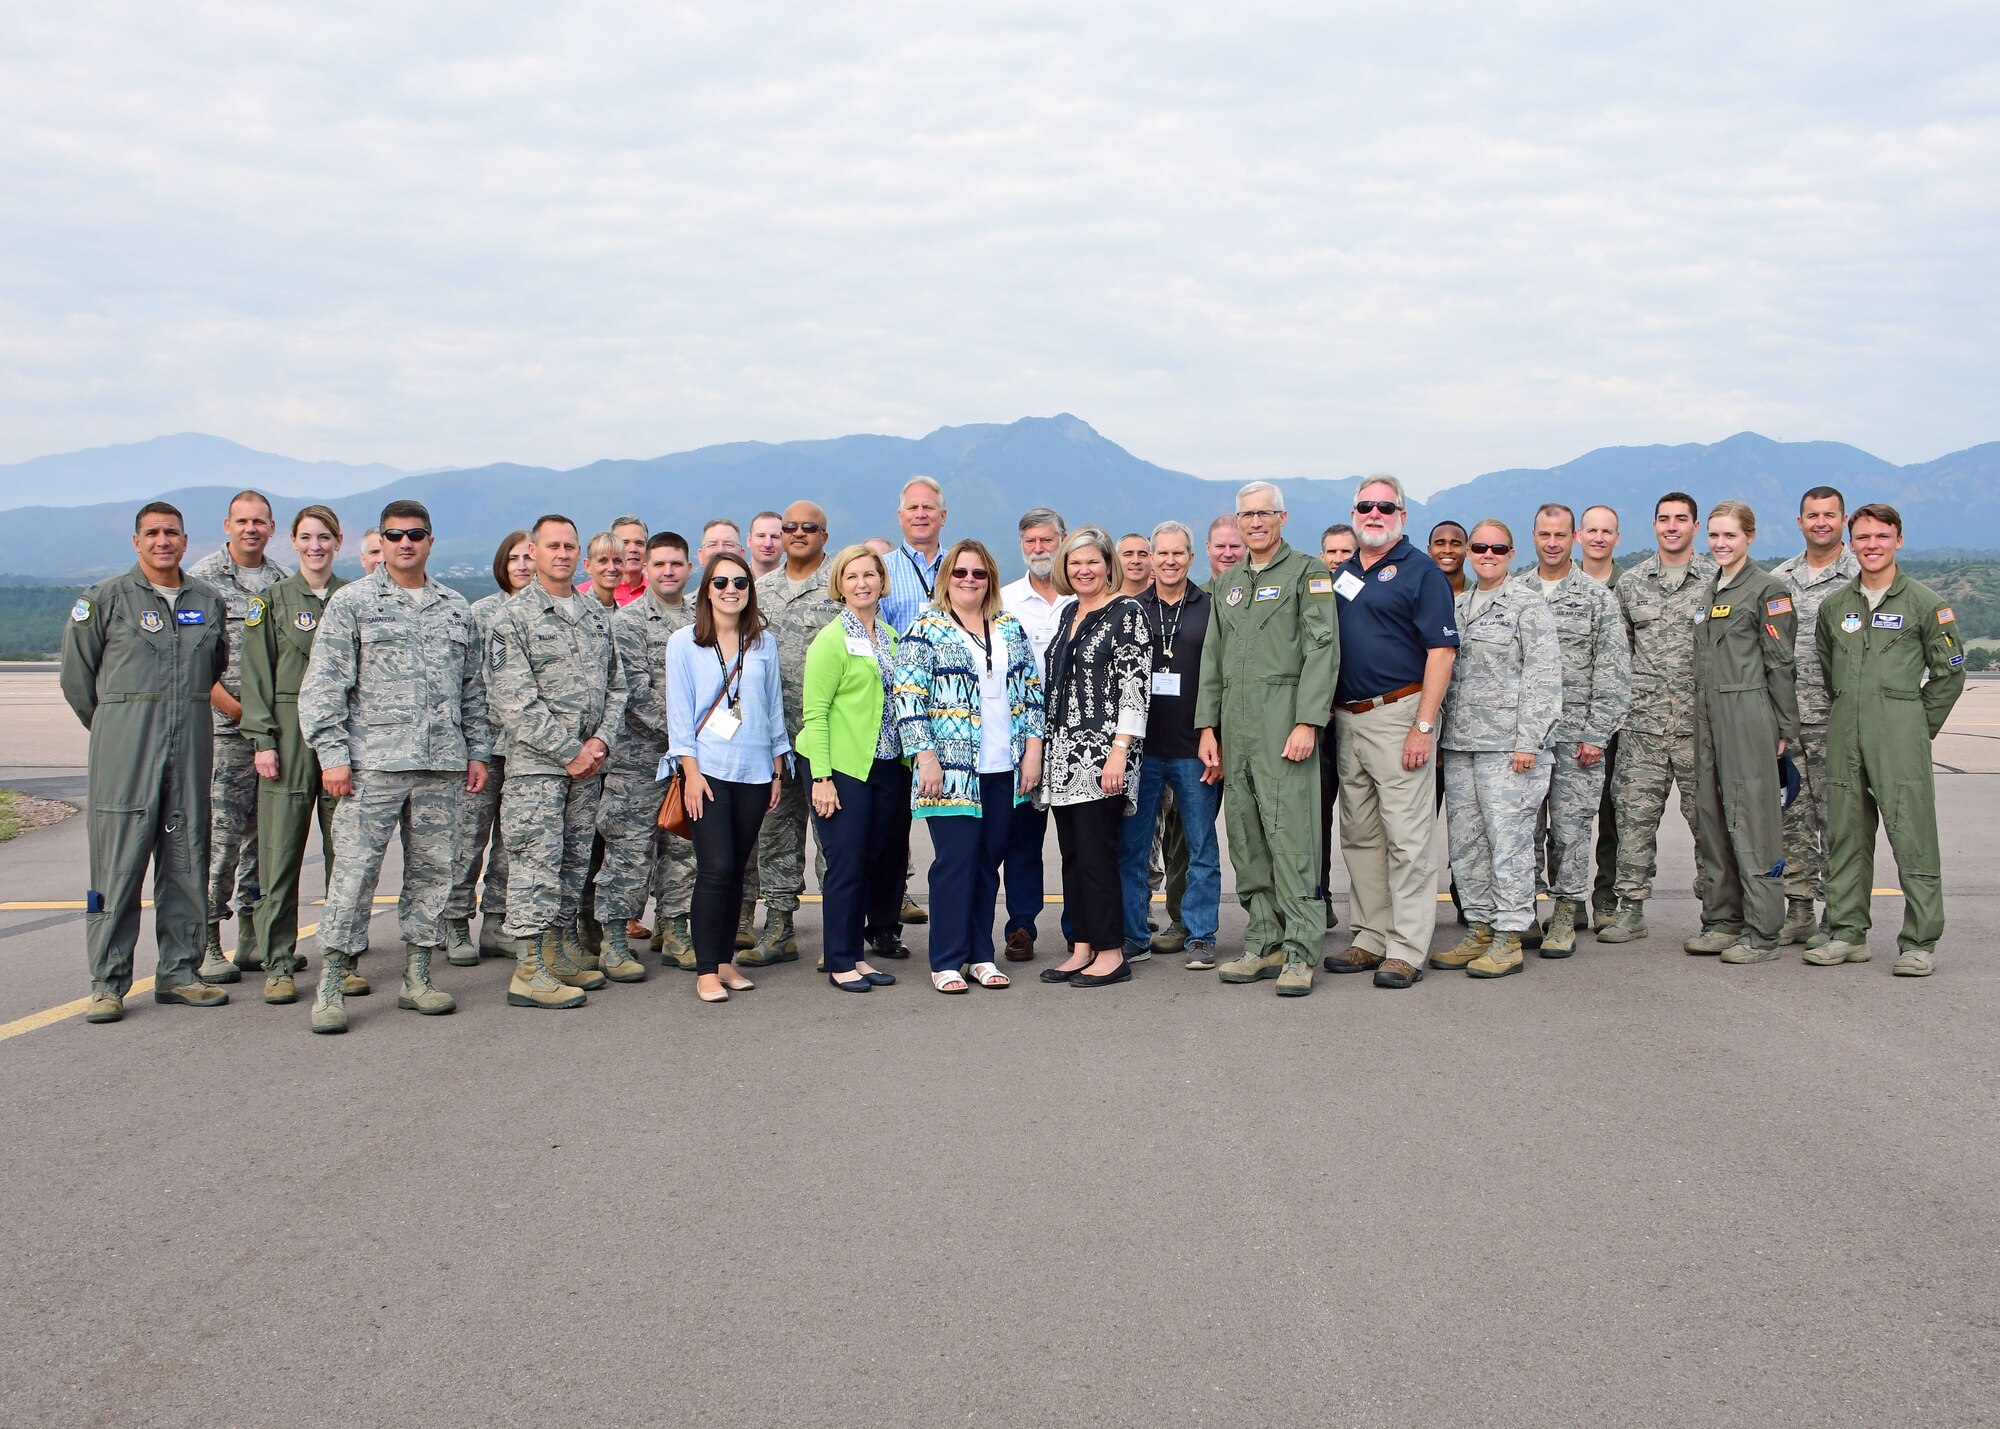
<point>1040,567</point>
<point>1374,542</point>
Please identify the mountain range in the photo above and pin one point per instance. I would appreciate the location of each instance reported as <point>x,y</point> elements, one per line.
<point>990,472</point>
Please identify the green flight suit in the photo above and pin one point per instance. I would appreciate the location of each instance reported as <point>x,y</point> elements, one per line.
<point>137,670</point>
<point>277,644</point>
<point>1269,664</point>
<point>1745,700</point>
<point>1878,749</point>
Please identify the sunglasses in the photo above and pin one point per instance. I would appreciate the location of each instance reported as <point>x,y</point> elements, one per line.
<point>1387,508</point>
<point>396,536</point>
<point>968,573</point>
<point>725,582</point>
<point>1483,548</point>
<point>811,528</point>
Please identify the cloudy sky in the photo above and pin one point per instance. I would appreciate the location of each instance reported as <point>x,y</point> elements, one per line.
<point>1261,239</point>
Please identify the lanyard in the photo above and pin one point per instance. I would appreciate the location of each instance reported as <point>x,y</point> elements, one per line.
<point>732,671</point>
<point>1168,632</point>
<point>985,645</point>
<point>915,566</point>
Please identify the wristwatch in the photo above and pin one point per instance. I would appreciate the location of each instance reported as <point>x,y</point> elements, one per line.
<point>1424,726</point>
<point>1121,743</point>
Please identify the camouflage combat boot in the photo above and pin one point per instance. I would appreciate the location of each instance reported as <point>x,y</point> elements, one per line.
<point>329,1009</point>
<point>778,945</point>
<point>1252,966</point>
<point>1477,943</point>
<point>215,967</point>
<point>1559,938</point>
<point>1628,927</point>
<point>1502,958</point>
<point>746,926</point>
<point>280,990</point>
<point>1710,941</point>
<point>1800,924</point>
<point>419,993</point>
<point>533,985</point>
<point>588,935</point>
<point>561,958</point>
<point>616,961</point>
<point>458,948</point>
<point>1834,952</point>
<point>676,945</point>
<point>1296,978</point>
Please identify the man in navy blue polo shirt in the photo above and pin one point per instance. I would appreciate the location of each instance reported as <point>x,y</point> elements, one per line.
<point>1398,639</point>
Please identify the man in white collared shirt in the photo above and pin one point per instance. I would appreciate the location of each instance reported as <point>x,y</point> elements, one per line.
<point>1034,601</point>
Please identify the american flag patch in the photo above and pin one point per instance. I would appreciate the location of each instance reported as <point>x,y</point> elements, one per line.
<point>1945,617</point>
<point>1781,606</point>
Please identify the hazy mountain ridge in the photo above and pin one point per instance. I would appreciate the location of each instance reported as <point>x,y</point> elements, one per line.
<point>138,471</point>
<point>992,472</point>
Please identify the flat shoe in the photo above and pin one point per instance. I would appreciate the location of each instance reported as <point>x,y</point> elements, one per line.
<point>859,985</point>
<point>881,979</point>
<point>1122,973</point>
<point>1058,975</point>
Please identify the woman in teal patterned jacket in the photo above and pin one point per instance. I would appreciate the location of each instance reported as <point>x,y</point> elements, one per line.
<point>969,710</point>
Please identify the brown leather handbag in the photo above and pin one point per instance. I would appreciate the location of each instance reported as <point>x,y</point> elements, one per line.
<point>673,815</point>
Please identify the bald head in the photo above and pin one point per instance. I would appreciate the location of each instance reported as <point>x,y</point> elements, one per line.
<point>804,535</point>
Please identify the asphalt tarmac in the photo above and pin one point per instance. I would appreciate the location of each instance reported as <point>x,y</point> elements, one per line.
<point>1633,1187</point>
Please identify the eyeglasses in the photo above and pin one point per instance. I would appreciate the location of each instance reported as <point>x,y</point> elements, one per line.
<point>1262,514</point>
<point>968,573</point>
<point>1482,548</point>
<point>811,528</point>
<point>396,536</point>
<point>1387,508</point>
<point>725,582</point>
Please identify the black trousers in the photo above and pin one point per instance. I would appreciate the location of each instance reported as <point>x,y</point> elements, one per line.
<point>867,844</point>
<point>725,840</point>
<point>1092,897</point>
<point>1329,801</point>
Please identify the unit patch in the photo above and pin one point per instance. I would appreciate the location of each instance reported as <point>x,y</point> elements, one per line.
<point>150,622</point>
<point>1885,621</point>
<point>1387,573</point>
<point>1235,595</point>
<point>1781,606</point>
<point>304,620</point>
<point>80,611</point>
<point>1265,592</point>
<point>255,615</point>
<point>1851,621</point>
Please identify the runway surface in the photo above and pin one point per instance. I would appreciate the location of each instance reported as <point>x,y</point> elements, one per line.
<point>1632,1187</point>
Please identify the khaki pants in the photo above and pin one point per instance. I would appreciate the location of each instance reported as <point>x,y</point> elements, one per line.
<point>1386,822</point>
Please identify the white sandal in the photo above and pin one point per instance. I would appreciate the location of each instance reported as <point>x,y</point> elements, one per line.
<point>988,975</point>
<point>949,981</point>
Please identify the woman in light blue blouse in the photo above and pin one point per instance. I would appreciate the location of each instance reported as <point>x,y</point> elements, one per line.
<point>726,725</point>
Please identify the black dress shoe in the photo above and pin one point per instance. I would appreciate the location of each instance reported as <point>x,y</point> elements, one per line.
<point>1058,975</point>
<point>864,985</point>
<point>1122,973</point>
<point>890,947</point>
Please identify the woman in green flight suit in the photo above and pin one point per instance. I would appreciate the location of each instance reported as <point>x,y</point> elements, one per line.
<point>1746,715</point>
<point>277,642</point>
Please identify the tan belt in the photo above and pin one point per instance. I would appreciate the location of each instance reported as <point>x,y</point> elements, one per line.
<point>1363,706</point>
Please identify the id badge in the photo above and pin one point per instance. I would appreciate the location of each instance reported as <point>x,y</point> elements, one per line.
<point>1348,586</point>
<point>858,645</point>
<point>1166,682</point>
<point>722,724</point>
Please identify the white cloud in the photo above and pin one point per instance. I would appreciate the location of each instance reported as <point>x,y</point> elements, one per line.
<point>1274,240</point>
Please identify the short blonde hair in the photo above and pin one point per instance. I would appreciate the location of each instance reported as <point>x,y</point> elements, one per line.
<point>1745,517</point>
<point>1093,536</point>
<point>989,604</point>
<point>847,557</point>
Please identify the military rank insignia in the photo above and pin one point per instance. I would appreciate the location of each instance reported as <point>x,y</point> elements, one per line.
<point>1720,612</point>
<point>304,620</point>
<point>150,622</point>
<point>80,611</point>
<point>1781,606</point>
<point>496,651</point>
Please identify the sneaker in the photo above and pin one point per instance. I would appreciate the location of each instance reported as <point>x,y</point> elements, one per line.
<point>1834,952</point>
<point>191,994</point>
<point>1200,956</point>
<point>1710,941</point>
<point>1915,962</point>
<point>1740,952</point>
<point>1138,952</point>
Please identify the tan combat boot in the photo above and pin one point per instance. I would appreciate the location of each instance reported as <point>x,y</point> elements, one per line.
<point>1628,927</point>
<point>105,1006</point>
<point>562,959</point>
<point>676,945</point>
<point>533,985</point>
<point>1559,938</point>
<point>419,993</point>
<point>1477,943</point>
<point>1296,978</point>
<point>746,926</point>
<point>329,1009</point>
<point>280,990</point>
<point>190,994</point>
<point>616,961</point>
<point>1834,952</point>
<point>1710,941</point>
<point>1502,958</point>
<point>1800,924</point>
<point>778,945</point>
<point>215,968</point>
<point>493,939</point>
<point>458,946</point>
<point>1252,966</point>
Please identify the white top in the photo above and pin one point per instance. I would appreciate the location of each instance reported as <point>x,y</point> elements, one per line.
<point>1549,588</point>
<point>1039,617</point>
<point>1874,597</point>
<point>171,594</point>
<point>996,751</point>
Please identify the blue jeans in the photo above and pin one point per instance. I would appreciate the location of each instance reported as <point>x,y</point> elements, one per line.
<point>1198,804</point>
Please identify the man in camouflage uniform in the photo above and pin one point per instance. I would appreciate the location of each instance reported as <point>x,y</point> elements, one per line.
<point>240,574</point>
<point>1597,536</point>
<point>559,695</point>
<point>393,706</point>
<point>1658,598</point>
<point>1811,576</point>
<point>1596,690</point>
<point>795,601</point>
<point>627,814</point>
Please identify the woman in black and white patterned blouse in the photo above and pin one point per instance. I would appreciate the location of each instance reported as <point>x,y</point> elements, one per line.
<point>1099,684</point>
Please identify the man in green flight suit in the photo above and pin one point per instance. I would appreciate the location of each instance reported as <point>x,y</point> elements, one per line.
<point>140,654</point>
<point>1268,669</point>
<point>1877,640</point>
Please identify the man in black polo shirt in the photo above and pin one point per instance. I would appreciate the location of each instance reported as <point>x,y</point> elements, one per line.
<point>1398,639</point>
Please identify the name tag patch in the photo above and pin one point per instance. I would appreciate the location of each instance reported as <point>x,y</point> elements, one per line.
<point>1265,592</point>
<point>1719,612</point>
<point>1885,621</point>
<point>858,645</point>
<point>191,617</point>
<point>1781,606</point>
<point>149,620</point>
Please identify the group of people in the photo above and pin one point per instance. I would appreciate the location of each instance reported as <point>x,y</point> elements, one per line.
<point>531,750</point>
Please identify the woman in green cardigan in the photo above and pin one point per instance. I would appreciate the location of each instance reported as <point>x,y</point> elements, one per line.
<point>860,785</point>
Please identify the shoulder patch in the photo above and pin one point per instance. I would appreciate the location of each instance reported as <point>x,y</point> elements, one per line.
<point>255,614</point>
<point>1781,606</point>
<point>1945,617</point>
<point>80,611</point>
<point>1319,585</point>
